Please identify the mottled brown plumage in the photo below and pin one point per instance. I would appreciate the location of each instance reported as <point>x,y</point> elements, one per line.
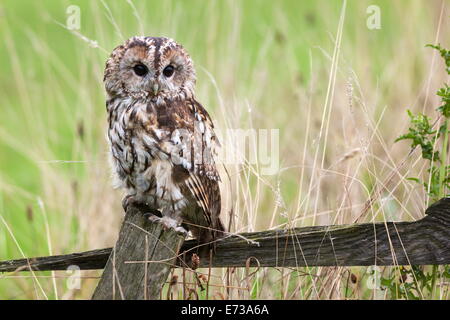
<point>162,140</point>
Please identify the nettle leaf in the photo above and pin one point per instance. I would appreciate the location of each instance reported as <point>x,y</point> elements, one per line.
<point>387,282</point>
<point>444,93</point>
<point>445,54</point>
<point>421,134</point>
<point>446,272</point>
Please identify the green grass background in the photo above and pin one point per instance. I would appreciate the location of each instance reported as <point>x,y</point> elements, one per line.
<point>274,57</point>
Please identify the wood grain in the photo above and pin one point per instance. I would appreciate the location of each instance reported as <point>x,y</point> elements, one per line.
<point>141,260</point>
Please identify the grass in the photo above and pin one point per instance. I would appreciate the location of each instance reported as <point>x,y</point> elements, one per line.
<point>337,92</point>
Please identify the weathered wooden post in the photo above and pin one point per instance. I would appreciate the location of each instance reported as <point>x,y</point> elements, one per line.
<point>140,262</point>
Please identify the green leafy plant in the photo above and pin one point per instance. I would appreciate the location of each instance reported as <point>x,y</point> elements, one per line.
<point>423,134</point>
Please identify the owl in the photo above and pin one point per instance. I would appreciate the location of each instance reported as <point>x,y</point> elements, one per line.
<point>162,140</point>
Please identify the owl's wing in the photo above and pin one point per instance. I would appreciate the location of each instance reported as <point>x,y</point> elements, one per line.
<point>191,147</point>
<point>203,179</point>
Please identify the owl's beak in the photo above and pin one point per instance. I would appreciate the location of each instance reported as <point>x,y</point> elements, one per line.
<point>155,89</point>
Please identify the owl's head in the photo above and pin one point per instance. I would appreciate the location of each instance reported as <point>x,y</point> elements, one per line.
<point>149,67</point>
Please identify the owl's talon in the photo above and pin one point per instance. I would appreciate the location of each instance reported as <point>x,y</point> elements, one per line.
<point>149,216</point>
<point>181,230</point>
<point>152,217</point>
<point>131,201</point>
<point>128,201</point>
<point>152,213</point>
<point>168,223</point>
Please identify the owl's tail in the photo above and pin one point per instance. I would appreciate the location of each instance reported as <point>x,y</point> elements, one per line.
<point>208,237</point>
<point>210,234</point>
<point>218,229</point>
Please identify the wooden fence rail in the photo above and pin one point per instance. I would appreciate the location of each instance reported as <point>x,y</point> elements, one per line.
<point>422,242</point>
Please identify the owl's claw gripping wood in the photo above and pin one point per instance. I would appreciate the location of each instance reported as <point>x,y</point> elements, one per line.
<point>168,223</point>
<point>153,213</point>
<point>131,201</point>
<point>128,201</point>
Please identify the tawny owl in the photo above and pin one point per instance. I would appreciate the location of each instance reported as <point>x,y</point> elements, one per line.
<point>161,138</point>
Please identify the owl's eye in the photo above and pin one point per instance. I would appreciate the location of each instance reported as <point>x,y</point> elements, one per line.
<point>169,70</point>
<point>140,69</point>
